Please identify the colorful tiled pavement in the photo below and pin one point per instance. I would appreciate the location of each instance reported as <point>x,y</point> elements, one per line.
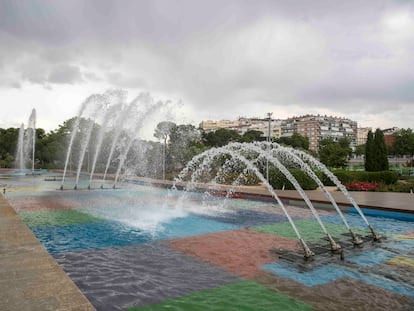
<point>308,228</point>
<point>241,296</point>
<point>207,261</point>
<point>241,252</point>
<point>114,278</point>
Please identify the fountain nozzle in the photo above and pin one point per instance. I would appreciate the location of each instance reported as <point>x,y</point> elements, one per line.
<point>308,253</point>
<point>76,187</point>
<point>356,240</point>
<point>375,237</point>
<point>89,187</point>
<point>61,187</point>
<point>102,186</point>
<point>335,247</point>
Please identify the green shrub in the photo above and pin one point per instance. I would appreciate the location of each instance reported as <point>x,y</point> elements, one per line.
<point>384,178</point>
<point>401,187</point>
<point>279,181</point>
<point>245,179</point>
<point>348,177</point>
<point>325,180</point>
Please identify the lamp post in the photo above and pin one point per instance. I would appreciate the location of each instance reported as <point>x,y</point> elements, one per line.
<point>269,116</point>
<point>163,158</point>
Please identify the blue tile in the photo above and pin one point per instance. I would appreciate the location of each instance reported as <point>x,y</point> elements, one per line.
<point>331,273</point>
<point>371,258</point>
<point>77,237</point>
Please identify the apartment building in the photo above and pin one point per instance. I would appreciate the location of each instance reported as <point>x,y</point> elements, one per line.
<point>314,127</point>
<point>317,127</point>
<point>210,125</point>
<point>242,125</point>
<point>389,136</point>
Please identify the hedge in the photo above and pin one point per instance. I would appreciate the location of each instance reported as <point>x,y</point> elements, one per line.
<point>402,187</point>
<point>279,181</point>
<point>383,177</point>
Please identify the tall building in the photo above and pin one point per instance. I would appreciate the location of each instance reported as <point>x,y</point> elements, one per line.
<point>242,125</point>
<point>317,127</point>
<point>210,126</point>
<point>314,127</point>
<point>389,136</point>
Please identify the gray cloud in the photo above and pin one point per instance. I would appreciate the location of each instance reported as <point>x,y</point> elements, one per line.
<point>34,72</point>
<point>65,74</point>
<point>231,58</point>
<point>126,81</point>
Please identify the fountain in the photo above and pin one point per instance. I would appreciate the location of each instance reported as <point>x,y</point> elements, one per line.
<point>278,150</point>
<point>116,99</point>
<point>26,144</point>
<point>20,149</point>
<point>32,125</point>
<point>110,108</point>
<point>250,153</point>
<point>150,108</point>
<point>337,183</point>
<point>106,109</point>
<point>121,118</point>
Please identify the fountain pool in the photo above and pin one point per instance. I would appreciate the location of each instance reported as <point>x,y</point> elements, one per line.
<point>144,248</point>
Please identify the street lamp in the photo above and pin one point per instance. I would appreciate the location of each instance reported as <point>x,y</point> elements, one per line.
<point>163,159</point>
<point>269,116</point>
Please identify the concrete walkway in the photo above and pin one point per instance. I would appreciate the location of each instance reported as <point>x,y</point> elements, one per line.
<point>30,279</point>
<point>403,202</point>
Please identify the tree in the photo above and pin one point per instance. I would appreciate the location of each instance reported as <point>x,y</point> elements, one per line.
<point>220,137</point>
<point>163,130</point>
<point>381,151</point>
<point>360,149</point>
<point>185,143</point>
<point>369,153</point>
<point>8,146</point>
<point>251,136</point>
<point>295,141</point>
<point>404,142</point>
<point>334,153</point>
<point>376,152</point>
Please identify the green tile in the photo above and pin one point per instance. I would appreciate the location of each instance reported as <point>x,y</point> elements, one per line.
<point>309,229</point>
<point>56,218</point>
<point>239,296</point>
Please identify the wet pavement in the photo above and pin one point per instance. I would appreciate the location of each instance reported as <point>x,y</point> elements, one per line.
<point>30,279</point>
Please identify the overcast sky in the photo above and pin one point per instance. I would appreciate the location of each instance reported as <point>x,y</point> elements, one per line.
<point>222,59</point>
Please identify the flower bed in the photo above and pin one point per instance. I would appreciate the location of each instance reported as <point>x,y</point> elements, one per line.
<point>362,186</point>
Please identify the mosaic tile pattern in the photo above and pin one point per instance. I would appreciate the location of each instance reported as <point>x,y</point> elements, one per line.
<point>401,261</point>
<point>242,295</point>
<point>214,255</point>
<point>56,218</point>
<point>140,275</point>
<point>342,294</point>
<point>309,229</point>
<point>241,252</point>
<point>329,273</point>
<point>101,234</point>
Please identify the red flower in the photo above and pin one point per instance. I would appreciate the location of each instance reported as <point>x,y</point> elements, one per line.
<point>362,186</point>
